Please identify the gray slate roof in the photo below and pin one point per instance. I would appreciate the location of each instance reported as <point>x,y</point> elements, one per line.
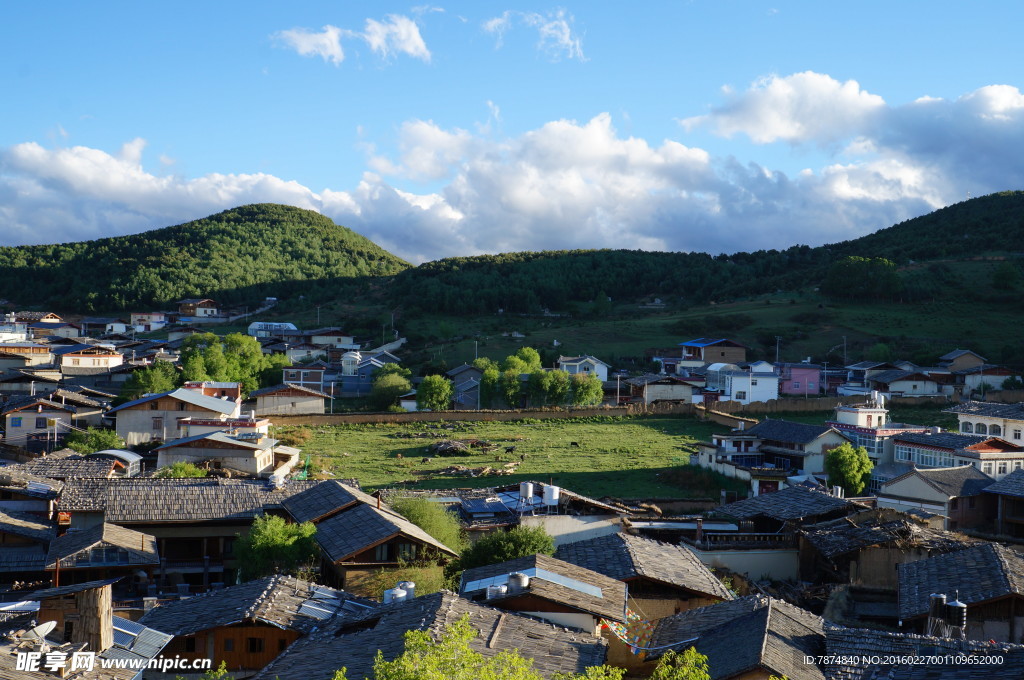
<point>610,604</point>
<point>27,525</point>
<point>124,501</point>
<point>288,386</point>
<point>786,431</point>
<point>325,498</point>
<point>352,641</point>
<point>848,646</point>
<point>945,440</point>
<point>65,464</point>
<point>746,634</point>
<point>194,397</point>
<point>1010,485</point>
<point>879,527</point>
<point>282,601</point>
<point>623,557</point>
<point>346,533</point>
<point>988,409</point>
<point>141,547</point>
<point>791,503</point>
<point>980,573</point>
<point>963,480</point>
<point>22,558</point>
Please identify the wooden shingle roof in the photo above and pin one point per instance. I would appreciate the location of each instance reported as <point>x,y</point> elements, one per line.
<point>791,503</point>
<point>363,526</point>
<point>27,525</point>
<point>352,641</point>
<point>323,499</point>
<point>623,557</point>
<point>880,527</point>
<point>141,548</point>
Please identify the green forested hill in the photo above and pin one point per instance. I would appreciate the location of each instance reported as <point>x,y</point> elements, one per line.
<point>239,255</point>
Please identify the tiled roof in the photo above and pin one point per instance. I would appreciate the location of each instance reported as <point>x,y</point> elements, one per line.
<point>27,525</point>
<point>281,601</point>
<point>22,558</point>
<point>958,353</point>
<point>946,440</point>
<point>66,464</point>
<point>141,547</point>
<point>288,386</point>
<point>747,634</point>
<point>622,556</point>
<point>16,478</point>
<point>963,480</point>
<point>346,533</point>
<point>886,377</point>
<point>352,641</point>
<point>791,503</point>
<point>987,409</point>
<point>881,527</point>
<point>324,498</point>
<point>193,397</point>
<point>609,601</point>
<point>1010,485</point>
<point>20,403</point>
<point>222,438</point>
<point>124,501</point>
<point>787,431</point>
<point>850,648</point>
<point>978,574</point>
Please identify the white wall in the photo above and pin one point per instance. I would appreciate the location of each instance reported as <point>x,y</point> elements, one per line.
<point>572,528</point>
<point>776,564</point>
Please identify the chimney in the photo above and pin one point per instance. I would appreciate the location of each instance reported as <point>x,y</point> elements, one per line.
<point>95,625</point>
<point>700,529</point>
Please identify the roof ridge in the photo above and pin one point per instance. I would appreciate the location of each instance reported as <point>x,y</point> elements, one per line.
<point>767,630</point>
<point>1007,570</point>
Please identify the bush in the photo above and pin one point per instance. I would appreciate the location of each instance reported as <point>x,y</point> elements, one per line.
<point>432,518</point>
<point>179,470</point>
<point>502,546</point>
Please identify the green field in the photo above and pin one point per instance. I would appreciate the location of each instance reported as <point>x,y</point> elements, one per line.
<point>636,457</point>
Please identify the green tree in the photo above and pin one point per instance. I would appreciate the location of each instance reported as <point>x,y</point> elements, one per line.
<point>686,665</point>
<point>162,376</point>
<point>849,467</point>
<point>509,387</point>
<point>218,673</point>
<point>489,391</point>
<point>530,358</point>
<point>274,545</point>
<point>880,352</point>
<point>501,546</point>
<point>537,387</point>
<point>434,393</point>
<point>1013,383</point>
<point>93,440</point>
<point>392,368</point>
<point>483,363</point>
<point>559,384</point>
<point>432,518</point>
<point>1006,277</point>
<point>193,367</point>
<point>273,374</point>
<point>387,389</point>
<point>587,389</point>
<point>179,470</point>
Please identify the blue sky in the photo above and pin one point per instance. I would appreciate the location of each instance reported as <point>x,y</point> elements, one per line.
<point>472,127</point>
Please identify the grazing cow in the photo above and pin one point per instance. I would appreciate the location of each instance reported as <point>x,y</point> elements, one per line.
<point>510,449</point>
<point>398,455</point>
<point>576,444</point>
<point>426,460</point>
<point>522,456</point>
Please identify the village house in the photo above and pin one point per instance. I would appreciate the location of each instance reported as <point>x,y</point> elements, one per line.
<point>35,423</point>
<point>95,326</point>
<point>702,351</point>
<point>289,399</point>
<point>988,578</point>
<point>53,329</point>
<point>29,317</point>
<point>157,417</point>
<point>257,455</point>
<point>198,309</point>
<point>145,322</point>
<point>654,387</point>
<point>36,353</point>
<point>359,536</point>
<point>96,358</point>
<point>586,365</point>
<point>865,548</point>
<point>994,456</point>
<point>247,626</point>
<point>269,329</point>
<point>309,375</point>
<point>211,388</point>
<point>802,379</point>
<point>352,640</point>
<point>465,387</point>
<point>729,382</point>
<point>24,540</point>
<point>990,418</point>
<point>904,383</point>
<point>22,491</point>
<point>750,638</point>
<point>1008,493</point>
<point>101,552</point>
<point>954,492</point>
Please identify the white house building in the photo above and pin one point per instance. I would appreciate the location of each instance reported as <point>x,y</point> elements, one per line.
<point>585,364</point>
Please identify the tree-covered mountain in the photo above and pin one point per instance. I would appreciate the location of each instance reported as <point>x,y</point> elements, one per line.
<point>237,256</point>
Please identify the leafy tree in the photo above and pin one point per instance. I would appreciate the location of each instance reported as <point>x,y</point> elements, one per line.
<point>218,673</point>
<point>432,518</point>
<point>537,387</point>
<point>386,389</point>
<point>686,665</point>
<point>234,358</point>
<point>273,374</point>
<point>1013,383</point>
<point>93,440</point>
<point>484,363</point>
<point>530,357</point>
<point>880,352</point>
<point>509,387</point>
<point>489,390</point>
<point>392,369</point>
<point>559,384</point>
<point>514,363</point>
<point>587,389</point>
<point>162,376</point>
<point>179,470</point>
<point>194,368</point>
<point>501,546</point>
<point>873,278</point>
<point>434,393</point>
<point>849,467</point>
<point>274,545</point>
<point>1006,277</point>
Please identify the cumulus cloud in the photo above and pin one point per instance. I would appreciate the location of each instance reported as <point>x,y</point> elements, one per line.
<point>326,44</point>
<point>572,184</point>
<point>556,36</point>
<point>395,34</point>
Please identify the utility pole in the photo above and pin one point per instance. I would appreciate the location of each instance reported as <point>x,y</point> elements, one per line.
<point>845,360</point>
<point>778,338</point>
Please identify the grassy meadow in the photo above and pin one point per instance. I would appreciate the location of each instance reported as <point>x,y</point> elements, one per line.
<point>634,457</point>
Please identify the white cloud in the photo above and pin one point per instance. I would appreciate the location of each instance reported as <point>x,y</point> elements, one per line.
<point>395,34</point>
<point>556,36</point>
<point>569,184</point>
<point>325,44</point>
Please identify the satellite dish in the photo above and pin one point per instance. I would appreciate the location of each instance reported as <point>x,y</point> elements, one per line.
<point>39,632</point>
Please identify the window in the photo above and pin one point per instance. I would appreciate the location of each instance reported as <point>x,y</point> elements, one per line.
<point>1016,465</point>
<point>16,421</point>
<point>741,395</point>
<point>966,427</point>
<point>229,645</point>
<point>182,406</point>
<point>154,405</point>
<point>980,429</point>
<point>953,503</point>
<point>75,362</point>
<point>255,645</point>
<point>810,384</point>
<point>407,551</point>
<point>190,644</point>
<point>995,430</point>
<point>158,424</point>
<point>753,382</point>
<point>986,468</point>
<point>380,553</point>
<point>281,644</point>
<point>796,385</point>
<point>869,420</point>
<point>1016,434</point>
<point>40,423</point>
<point>1003,465</point>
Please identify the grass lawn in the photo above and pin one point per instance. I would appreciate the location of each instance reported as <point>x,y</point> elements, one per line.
<point>633,457</point>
